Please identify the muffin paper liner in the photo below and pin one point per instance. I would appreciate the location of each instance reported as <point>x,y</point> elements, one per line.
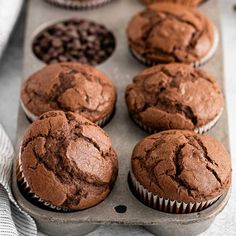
<point>29,114</point>
<point>199,63</point>
<point>105,120</point>
<point>76,4</point>
<point>198,130</point>
<point>212,51</point>
<point>144,127</point>
<point>23,184</point>
<point>207,127</point>
<point>167,205</point>
<point>33,117</point>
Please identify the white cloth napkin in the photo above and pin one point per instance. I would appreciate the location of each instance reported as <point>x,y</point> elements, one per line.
<point>9,11</point>
<point>13,221</point>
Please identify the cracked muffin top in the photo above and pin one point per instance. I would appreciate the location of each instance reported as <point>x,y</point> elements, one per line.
<point>69,87</point>
<point>68,161</point>
<point>167,32</point>
<point>191,3</point>
<point>182,166</point>
<point>174,96</point>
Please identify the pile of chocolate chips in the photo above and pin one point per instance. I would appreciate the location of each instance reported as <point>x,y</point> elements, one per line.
<point>74,40</point>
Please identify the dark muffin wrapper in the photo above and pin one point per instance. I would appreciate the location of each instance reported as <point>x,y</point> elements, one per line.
<point>24,186</point>
<point>199,63</point>
<point>73,4</point>
<point>164,204</point>
<point>105,120</point>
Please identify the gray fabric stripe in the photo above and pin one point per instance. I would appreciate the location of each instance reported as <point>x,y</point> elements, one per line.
<point>18,219</point>
<point>13,221</point>
<point>7,226</point>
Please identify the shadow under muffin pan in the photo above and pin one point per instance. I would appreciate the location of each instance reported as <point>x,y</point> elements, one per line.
<point>74,40</point>
<point>121,206</point>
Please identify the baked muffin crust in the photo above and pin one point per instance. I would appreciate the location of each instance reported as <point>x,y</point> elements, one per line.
<point>70,87</point>
<point>174,96</point>
<point>182,166</point>
<point>68,161</point>
<point>166,32</point>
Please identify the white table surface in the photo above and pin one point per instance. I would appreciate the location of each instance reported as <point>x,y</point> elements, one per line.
<point>10,77</point>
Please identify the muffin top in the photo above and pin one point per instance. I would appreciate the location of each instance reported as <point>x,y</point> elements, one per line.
<point>184,2</point>
<point>69,87</point>
<point>167,32</point>
<point>183,166</point>
<point>68,161</point>
<point>174,96</point>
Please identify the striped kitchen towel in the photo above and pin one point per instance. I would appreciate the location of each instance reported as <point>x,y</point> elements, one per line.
<point>9,11</point>
<point>13,221</point>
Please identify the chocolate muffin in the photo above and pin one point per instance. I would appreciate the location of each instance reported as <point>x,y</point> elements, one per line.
<point>69,87</point>
<point>174,96</point>
<point>190,3</point>
<point>78,3</point>
<point>180,171</point>
<point>167,32</point>
<point>66,162</point>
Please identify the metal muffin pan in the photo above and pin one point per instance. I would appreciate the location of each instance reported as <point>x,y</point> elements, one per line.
<point>121,206</point>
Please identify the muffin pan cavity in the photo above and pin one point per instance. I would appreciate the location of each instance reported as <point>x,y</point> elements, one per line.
<point>121,68</point>
<point>74,40</point>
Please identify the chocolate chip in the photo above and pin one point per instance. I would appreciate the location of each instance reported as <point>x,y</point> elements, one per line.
<point>46,58</point>
<point>62,58</point>
<point>56,42</point>
<point>76,44</point>
<point>37,49</point>
<point>91,38</point>
<point>74,40</point>
<point>53,61</point>
<point>72,33</point>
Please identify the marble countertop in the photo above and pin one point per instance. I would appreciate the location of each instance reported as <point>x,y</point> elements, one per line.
<point>10,78</point>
